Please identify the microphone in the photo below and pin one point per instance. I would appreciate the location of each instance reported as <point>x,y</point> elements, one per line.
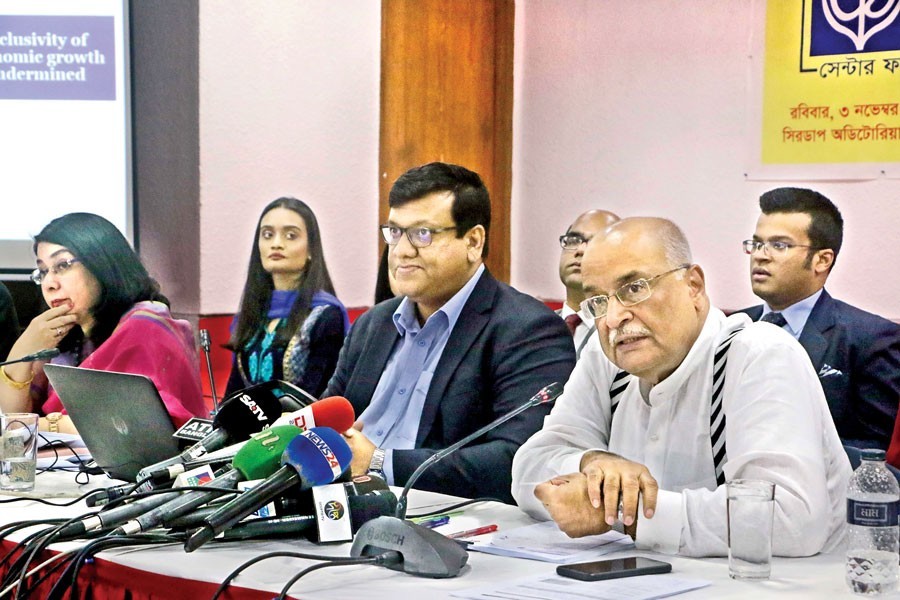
<point>125,512</point>
<point>367,498</point>
<point>289,395</point>
<point>204,345</point>
<point>545,395</point>
<point>424,551</point>
<point>361,508</point>
<point>315,457</point>
<point>45,354</point>
<point>258,459</point>
<point>335,412</point>
<point>243,413</point>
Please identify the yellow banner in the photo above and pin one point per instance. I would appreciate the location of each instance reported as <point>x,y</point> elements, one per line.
<point>831,82</point>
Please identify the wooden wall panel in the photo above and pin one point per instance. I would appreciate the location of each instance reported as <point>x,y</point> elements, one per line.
<point>446,94</point>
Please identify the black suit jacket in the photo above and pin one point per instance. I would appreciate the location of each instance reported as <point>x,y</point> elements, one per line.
<point>9,324</point>
<point>504,347</point>
<point>857,357</point>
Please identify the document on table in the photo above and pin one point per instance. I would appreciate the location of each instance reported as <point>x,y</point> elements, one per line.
<point>72,440</point>
<point>56,451</point>
<point>544,541</point>
<point>554,587</point>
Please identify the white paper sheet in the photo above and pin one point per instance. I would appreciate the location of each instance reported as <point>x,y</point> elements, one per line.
<point>544,541</point>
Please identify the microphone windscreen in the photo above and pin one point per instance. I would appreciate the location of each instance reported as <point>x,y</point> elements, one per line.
<point>335,412</point>
<point>261,455</point>
<point>364,508</point>
<point>319,455</point>
<point>247,411</point>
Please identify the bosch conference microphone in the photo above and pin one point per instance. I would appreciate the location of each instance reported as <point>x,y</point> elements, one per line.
<point>425,552</point>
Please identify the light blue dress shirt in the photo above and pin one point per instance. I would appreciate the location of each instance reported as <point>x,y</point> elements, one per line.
<point>796,314</point>
<point>391,420</point>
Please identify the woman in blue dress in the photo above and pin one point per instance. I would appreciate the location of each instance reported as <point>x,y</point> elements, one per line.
<point>290,325</point>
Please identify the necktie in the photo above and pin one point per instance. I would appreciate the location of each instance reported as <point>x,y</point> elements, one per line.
<point>775,318</point>
<point>572,322</point>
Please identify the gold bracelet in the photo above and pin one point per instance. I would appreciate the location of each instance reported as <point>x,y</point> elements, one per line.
<point>16,385</point>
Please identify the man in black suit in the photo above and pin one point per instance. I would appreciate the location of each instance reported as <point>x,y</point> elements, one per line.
<point>573,243</point>
<point>455,350</point>
<point>856,354</point>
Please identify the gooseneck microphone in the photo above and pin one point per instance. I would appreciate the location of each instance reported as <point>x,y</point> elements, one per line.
<point>545,395</point>
<point>425,552</point>
<point>315,457</point>
<point>205,344</point>
<point>45,354</point>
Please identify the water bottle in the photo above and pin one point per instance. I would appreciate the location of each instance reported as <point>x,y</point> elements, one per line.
<point>872,531</point>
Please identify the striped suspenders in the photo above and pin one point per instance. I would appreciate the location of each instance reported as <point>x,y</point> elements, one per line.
<point>716,414</point>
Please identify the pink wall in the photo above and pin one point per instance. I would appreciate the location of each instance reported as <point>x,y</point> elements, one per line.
<point>641,108</point>
<point>288,106</point>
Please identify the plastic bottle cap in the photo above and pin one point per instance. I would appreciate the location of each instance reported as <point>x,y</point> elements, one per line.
<point>871,454</point>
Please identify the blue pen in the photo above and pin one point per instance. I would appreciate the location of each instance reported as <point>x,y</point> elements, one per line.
<point>437,522</point>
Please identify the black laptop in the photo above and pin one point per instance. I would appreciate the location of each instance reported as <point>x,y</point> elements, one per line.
<point>120,417</point>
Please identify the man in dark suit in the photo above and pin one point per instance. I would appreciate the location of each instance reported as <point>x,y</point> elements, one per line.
<point>573,243</point>
<point>454,351</point>
<point>856,353</point>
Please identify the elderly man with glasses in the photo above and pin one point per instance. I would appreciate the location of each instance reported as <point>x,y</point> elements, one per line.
<point>455,350</point>
<point>573,242</point>
<point>676,400</point>
<point>855,353</point>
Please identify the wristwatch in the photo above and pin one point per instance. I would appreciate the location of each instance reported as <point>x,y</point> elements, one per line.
<point>53,421</point>
<point>376,465</point>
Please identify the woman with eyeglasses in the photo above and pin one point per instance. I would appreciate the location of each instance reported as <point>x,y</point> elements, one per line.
<point>290,325</point>
<point>106,313</point>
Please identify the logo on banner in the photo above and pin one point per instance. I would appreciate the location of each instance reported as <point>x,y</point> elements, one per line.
<point>851,26</point>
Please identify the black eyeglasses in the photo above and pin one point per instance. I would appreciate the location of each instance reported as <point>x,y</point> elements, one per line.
<point>571,241</point>
<point>60,268</point>
<point>419,237</point>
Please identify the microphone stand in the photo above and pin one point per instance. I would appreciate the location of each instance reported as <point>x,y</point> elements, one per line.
<point>547,394</point>
<point>424,551</point>
<point>45,354</point>
<point>205,344</point>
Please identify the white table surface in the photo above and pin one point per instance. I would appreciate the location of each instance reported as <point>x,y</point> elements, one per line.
<point>820,576</point>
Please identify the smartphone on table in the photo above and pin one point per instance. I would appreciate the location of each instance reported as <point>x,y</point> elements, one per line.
<point>613,568</point>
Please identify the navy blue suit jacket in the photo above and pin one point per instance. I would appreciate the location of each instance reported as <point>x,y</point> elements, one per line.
<point>857,357</point>
<point>504,347</point>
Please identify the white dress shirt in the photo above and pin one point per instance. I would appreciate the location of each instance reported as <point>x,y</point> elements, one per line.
<point>778,428</point>
<point>796,314</point>
<point>583,332</point>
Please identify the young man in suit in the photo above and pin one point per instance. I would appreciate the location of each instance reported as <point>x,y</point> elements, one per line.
<point>453,351</point>
<point>573,242</point>
<point>855,353</point>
